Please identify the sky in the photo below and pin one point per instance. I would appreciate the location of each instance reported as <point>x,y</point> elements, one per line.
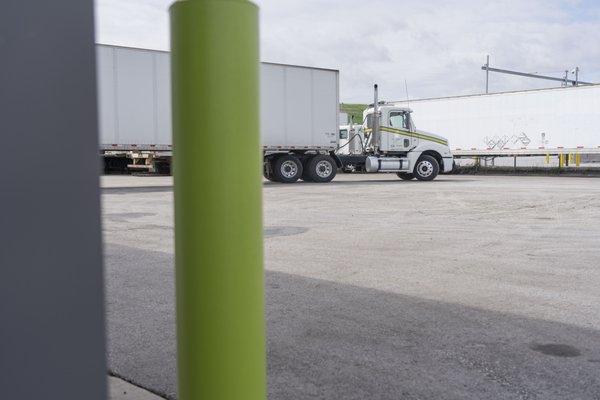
<point>433,48</point>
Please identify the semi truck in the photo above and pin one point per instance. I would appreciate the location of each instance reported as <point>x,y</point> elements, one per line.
<point>299,123</point>
<point>388,141</point>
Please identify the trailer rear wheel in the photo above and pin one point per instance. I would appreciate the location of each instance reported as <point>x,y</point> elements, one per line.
<point>321,168</point>
<point>427,168</point>
<point>269,177</point>
<point>406,176</point>
<point>268,170</point>
<point>287,168</point>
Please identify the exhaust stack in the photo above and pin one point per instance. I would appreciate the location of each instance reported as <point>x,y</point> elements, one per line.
<point>375,131</point>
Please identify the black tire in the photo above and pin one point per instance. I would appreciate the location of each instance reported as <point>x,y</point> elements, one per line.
<point>268,177</point>
<point>305,176</point>
<point>405,176</point>
<point>321,168</point>
<point>426,169</point>
<point>305,162</point>
<point>268,170</point>
<point>287,168</point>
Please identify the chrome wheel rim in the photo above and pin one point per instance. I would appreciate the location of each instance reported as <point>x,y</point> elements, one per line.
<point>425,168</point>
<point>289,169</point>
<point>323,169</point>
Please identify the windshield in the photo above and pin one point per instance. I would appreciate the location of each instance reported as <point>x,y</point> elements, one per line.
<point>398,119</point>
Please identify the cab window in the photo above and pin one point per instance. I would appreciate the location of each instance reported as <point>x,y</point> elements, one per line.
<point>370,121</point>
<point>398,119</point>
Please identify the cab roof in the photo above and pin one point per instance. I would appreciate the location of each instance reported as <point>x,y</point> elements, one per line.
<point>387,106</point>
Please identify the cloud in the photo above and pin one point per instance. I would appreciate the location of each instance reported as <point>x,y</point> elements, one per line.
<point>437,46</point>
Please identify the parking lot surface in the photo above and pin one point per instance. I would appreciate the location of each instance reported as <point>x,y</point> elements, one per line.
<point>467,287</point>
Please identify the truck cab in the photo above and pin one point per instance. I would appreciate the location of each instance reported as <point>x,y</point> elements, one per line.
<point>422,155</point>
<point>390,142</point>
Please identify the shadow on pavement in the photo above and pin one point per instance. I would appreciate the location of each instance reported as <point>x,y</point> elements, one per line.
<point>333,341</point>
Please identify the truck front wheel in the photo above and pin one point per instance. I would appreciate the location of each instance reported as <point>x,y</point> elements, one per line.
<point>427,168</point>
<point>287,168</point>
<point>321,168</point>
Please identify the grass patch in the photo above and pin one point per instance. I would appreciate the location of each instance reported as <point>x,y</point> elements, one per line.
<point>354,111</point>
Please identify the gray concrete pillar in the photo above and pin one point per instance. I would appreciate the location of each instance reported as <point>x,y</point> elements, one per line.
<point>51,304</point>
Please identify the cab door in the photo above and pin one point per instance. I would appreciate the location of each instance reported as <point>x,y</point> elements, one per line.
<point>398,132</point>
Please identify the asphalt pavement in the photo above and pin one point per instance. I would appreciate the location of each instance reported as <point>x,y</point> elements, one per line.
<point>462,288</point>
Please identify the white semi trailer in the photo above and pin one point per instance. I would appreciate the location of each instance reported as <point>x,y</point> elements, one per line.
<point>566,117</point>
<point>299,113</point>
<point>299,122</point>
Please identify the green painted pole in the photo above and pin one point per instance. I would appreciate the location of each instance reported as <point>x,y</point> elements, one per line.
<point>218,218</point>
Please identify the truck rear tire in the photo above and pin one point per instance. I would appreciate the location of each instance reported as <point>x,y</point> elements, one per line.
<point>427,168</point>
<point>405,176</point>
<point>287,168</point>
<point>321,168</point>
<point>305,176</point>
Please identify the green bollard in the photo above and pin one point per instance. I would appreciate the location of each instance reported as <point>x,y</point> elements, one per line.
<point>218,217</point>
